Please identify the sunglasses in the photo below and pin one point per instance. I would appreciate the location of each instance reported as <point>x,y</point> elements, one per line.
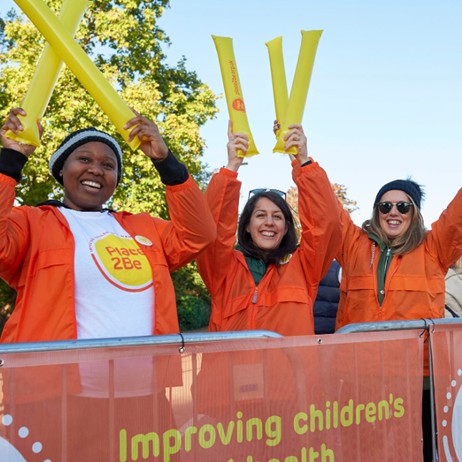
<point>403,207</point>
<point>262,190</point>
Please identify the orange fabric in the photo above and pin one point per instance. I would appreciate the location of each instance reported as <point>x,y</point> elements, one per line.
<point>37,260</point>
<point>414,286</point>
<point>285,295</point>
<point>447,363</point>
<point>283,407</point>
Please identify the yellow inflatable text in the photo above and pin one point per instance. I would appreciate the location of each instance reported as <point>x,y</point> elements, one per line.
<point>300,86</point>
<point>233,91</point>
<point>44,80</point>
<point>278,75</point>
<point>80,64</point>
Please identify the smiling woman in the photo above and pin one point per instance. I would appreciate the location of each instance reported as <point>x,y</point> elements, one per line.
<point>82,271</point>
<point>268,281</point>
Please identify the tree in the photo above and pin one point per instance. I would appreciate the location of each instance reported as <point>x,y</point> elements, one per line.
<point>125,42</point>
<point>339,190</point>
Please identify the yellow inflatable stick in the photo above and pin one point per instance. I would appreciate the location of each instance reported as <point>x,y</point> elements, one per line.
<point>44,80</point>
<point>278,75</point>
<point>233,91</point>
<point>80,64</point>
<point>300,86</point>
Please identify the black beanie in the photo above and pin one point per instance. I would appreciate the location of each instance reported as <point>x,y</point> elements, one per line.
<point>411,188</point>
<point>79,138</point>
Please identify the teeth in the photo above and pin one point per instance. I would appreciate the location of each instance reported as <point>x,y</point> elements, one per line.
<point>394,222</point>
<point>268,233</point>
<point>92,184</point>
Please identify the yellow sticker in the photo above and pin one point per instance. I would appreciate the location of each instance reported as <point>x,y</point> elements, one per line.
<point>143,240</point>
<point>122,262</point>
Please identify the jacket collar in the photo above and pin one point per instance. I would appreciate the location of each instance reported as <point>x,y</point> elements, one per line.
<point>55,203</point>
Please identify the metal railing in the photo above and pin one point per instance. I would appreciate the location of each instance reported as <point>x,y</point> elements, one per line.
<point>179,339</point>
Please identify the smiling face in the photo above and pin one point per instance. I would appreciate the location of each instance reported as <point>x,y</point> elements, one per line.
<point>393,223</point>
<point>267,225</point>
<point>89,176</point>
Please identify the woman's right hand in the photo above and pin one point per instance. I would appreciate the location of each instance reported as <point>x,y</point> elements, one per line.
<point>14,124</point>
<point>236,141</point>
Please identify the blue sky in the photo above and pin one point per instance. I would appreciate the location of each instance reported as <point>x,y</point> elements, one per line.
<point>385,100</point>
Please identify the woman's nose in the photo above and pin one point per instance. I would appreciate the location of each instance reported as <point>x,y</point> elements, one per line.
<point>95,168</point>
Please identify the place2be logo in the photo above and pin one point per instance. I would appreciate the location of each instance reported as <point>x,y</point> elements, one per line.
<point>450,421</point>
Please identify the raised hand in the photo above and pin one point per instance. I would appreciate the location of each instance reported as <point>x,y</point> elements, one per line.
<point>14,124</point>
<point>152,143</point>
<point>236,141</point>
<point>296,137</point>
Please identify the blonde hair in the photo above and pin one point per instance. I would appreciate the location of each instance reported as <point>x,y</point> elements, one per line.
<point>406,242</point>
<point>457,265</point>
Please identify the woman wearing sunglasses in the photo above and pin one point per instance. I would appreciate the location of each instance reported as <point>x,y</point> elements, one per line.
<point>267,281</point>
<point>393,268</point>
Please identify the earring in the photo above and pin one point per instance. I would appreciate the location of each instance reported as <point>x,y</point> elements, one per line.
<point>60,173</point>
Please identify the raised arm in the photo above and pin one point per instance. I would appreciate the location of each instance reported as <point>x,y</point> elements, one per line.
<point>320,216</point>
<point>14,226</point>
<point>445,238</point>
<point>222,197</point>
<point>191,228</point>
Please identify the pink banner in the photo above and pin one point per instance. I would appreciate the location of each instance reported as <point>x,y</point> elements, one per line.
<point>447,366</point>
<point>354,397</point>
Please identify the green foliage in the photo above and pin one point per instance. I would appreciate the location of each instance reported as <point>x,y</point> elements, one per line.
<point>125,42</point>
<point>193,299</point>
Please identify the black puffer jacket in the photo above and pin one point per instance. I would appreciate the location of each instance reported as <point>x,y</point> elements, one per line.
<point>326,303</point>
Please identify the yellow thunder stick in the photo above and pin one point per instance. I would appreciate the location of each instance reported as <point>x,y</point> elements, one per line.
<point>233,91</point>
<point>44,80</point>
<point>300,86</point>
<point>80,64</point>
<point>278,75</point>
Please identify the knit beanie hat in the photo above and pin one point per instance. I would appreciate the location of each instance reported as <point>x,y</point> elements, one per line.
<point>411,188</point>
<point>79,138</point>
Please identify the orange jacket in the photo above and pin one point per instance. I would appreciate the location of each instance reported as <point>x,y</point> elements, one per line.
<point>284,298</point>
<point>37,259</point>
<point>414,285</point>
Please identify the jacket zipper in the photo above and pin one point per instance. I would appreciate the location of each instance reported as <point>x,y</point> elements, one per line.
<point>386,261</point>
<point>254,300</point>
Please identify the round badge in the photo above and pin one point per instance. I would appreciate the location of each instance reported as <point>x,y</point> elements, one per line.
<point>285,259</point>
<point>143,240</point>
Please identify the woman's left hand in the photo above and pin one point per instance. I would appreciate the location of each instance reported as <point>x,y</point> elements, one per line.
<point>152,143</point>
<point>296,137</point>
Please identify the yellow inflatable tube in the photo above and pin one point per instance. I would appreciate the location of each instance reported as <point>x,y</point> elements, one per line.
<point>278,75</point>
<point>80,64</point>
<point>44,80</point>
<point>300,86</point>
<point>233,91</point>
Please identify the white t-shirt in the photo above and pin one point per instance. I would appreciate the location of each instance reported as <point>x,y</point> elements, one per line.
<point>114,297</point>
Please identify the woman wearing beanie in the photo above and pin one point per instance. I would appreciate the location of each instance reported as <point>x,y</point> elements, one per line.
<point>393,268</point>
<point>82,271</point>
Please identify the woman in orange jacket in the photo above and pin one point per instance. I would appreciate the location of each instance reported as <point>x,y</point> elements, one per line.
<point>394,269</point>
<point>82,271</point>
<point>268,281</point>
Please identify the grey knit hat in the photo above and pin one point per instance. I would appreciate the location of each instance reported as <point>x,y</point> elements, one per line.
<point>79,138</point>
